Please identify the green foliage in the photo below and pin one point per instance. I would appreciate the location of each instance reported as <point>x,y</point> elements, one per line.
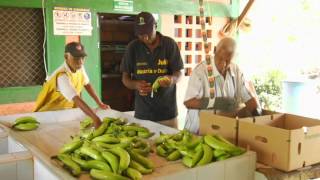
<point>269,88</point>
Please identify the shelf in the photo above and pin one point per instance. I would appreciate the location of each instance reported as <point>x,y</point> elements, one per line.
<point>113,46</point>
<point>111,75</point>
<point>116,22</point>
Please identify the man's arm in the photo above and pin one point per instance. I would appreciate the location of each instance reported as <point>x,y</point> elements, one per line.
<point>251,105</point>
<point>175,77</point>
<point>194,99</point>
<point>248,95</point>
<point>171,79</point>
<point>87,110</point>
<point>68,91</point>
<point>193,103</point>
<point>127,67</point>
<point>175,65</point>
<point>140,85</point>
<point>251,108</point>
<point>128,82</point>
<point>93,94</point>
<point>202,103</point>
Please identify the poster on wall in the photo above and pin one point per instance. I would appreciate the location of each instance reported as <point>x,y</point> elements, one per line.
<point>72,21</point>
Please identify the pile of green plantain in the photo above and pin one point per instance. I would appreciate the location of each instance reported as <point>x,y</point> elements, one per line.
<point>195,150</point>
<point>116,150</point>
<point>26,123</point>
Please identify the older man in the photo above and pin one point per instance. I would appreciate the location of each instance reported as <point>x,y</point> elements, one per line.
<point>229,87</point>
<point>63,88</point>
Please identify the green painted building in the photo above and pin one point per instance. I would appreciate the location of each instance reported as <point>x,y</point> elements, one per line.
<point>54,46</point>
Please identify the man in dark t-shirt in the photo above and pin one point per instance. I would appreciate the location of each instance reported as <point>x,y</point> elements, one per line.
<point>150,56</point>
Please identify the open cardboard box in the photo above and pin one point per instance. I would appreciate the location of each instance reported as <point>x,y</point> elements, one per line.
<point>239,167</point>
<point>226,125</point>
<point>286,142</point>
<point>211,123</point>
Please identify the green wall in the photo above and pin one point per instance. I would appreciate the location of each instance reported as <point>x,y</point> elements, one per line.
<point>55,44</point>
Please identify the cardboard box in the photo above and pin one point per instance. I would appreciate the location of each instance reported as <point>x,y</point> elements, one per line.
<point>240,167</point>
<point>211,123</point>
<point>286,142</point>
<point>225,125</point>
<point>265,117</point>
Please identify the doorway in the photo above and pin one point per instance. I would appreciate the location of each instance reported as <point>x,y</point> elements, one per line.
<point>116,31</point>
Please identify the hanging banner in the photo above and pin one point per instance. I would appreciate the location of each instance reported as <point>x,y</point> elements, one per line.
<point>72,21</point>
<point>123,5</point>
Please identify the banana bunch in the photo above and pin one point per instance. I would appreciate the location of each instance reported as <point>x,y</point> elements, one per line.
<point>156,85</point>
<point>116,150</point>
<point>85,123</point>
<point>26,123</point>
<point>195,150</point>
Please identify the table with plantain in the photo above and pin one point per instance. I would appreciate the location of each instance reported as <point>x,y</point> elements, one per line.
<point>121,148</point>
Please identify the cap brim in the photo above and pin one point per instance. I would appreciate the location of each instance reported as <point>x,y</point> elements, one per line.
<point>78,54</point>
<point>145,29</point>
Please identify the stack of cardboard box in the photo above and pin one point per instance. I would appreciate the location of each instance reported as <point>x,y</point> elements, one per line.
<point>283,141</point>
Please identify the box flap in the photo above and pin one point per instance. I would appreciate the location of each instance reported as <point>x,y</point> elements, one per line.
<point>296,150</point>
<point>266,119</point>
<point>215,124</point>
<point>296,122</point>
<point>270,143</point>
<point>310,146</point>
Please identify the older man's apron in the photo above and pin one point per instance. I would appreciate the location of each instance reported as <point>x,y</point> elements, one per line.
<point>49,99</point>
<point>221,104</point>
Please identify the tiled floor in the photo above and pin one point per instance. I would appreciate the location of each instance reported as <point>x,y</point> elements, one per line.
<point>16,108</point>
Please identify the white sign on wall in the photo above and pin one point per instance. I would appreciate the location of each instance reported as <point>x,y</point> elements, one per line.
<point>72,21</point>
<point>123,5</point>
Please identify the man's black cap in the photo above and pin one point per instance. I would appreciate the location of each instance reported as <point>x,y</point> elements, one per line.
<point>144,23</point>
